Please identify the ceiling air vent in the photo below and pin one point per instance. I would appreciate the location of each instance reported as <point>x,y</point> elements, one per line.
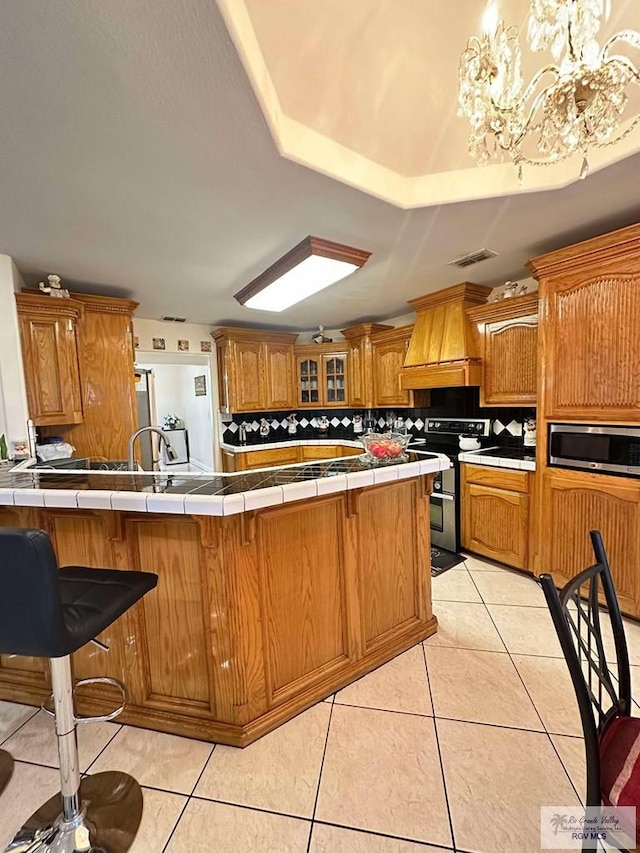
<point>473,258</point>
<point>174,319</point>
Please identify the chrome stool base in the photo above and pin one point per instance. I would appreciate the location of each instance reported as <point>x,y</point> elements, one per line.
<point>110,814</point>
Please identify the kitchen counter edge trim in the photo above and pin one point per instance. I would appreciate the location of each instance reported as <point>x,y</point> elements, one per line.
<point>178,504</point>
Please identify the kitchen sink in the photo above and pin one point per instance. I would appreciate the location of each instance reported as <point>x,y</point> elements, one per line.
<point>90,463</point>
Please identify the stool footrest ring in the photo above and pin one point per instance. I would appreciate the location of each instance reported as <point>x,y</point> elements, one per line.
<point>102,718</point>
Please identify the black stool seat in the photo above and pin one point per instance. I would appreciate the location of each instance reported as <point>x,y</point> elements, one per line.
<point>46,612</point>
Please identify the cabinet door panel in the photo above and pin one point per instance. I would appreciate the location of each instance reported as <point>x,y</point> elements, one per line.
<point>279,370</point>
<point>357,374</point>
<point>572,505</point>
<point>593,358</point>
<point>392,570</point>
<point>249,376</point>
<point>309,376</point>
<point>334,369</point>
<point>172,620</point>
<point>509,363</point>
<point>495,523</point>
<point>51,370</point>
<point>306,612</point>
<point>388,359</point>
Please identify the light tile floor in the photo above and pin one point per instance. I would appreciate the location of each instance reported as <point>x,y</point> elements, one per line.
<point>454,745</point>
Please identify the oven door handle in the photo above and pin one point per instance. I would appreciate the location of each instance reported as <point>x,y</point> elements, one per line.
<point>440,496</point>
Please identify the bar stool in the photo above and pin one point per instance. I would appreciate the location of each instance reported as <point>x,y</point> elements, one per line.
<point>50,612</point>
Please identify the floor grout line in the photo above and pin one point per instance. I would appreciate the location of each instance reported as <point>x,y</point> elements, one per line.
<point>435,728</point>
<point>378,834</point>
<point>324,752</point>
<point>29,718</point>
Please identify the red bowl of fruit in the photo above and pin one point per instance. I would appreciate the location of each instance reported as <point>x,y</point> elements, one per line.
<point>385,447</point>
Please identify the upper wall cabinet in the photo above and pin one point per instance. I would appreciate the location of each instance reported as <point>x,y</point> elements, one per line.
<point>255,370</point>
<point>389,351</point>
<point>48,329</point>
<point>360,363</point>
<point>508,333</point>
<point>590,302</point>
<point>321,371</point>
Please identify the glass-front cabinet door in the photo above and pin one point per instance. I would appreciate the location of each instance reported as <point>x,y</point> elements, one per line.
<point>309,382</point>
<point>335,369</point>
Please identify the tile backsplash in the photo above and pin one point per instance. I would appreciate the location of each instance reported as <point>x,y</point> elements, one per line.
<point>445,403</point>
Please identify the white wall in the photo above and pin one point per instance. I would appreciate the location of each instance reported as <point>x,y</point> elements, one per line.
<point>147,330</point>
<point>175,394</point>
<point>13,395</point>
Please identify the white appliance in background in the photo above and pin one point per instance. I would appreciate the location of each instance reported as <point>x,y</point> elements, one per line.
<point>179,439</point>
<point>145,402</point>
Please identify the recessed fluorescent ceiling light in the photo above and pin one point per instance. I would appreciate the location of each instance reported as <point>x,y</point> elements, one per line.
<point>309,267</point>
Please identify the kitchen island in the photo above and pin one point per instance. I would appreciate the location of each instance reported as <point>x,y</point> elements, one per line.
<point>276,587</point>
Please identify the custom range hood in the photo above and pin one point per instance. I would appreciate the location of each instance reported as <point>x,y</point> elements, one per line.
<point>444,348</point>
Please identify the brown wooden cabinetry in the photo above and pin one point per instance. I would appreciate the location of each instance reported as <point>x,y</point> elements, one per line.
<point>321,372</point>
<point>572,504</point>
<point>48,334</point>
<point>389,350</point>
<point>245,460</point>
<point>105,351</point>
<point>495,513</point>
<point>256,616</point>
<point>360,354</point>
<point>508,332</point>
<point>255,370</point>
<point>590,301</point>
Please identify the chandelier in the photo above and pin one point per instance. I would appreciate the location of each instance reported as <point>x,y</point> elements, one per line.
<point>568,107</point>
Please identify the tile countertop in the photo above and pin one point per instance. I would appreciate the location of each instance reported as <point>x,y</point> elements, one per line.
<point>294,442</point>
<point>204,493</point>
<point>500,457</point>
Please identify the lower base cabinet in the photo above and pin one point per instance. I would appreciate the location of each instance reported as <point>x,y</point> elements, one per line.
<point>256,616</point>
<point>572,504</point>
<point>247,460</point>
<point>495,514</point>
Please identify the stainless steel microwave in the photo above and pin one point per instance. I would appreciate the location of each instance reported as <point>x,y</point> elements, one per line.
<point>600,449</point>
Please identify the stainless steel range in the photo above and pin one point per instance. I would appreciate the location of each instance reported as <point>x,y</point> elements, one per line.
<point>442,437</point>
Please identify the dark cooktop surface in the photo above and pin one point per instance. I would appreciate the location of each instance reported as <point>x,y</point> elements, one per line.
<point>526,454</point>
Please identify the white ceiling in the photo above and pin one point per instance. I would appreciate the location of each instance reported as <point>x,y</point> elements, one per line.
<point>135,160</point>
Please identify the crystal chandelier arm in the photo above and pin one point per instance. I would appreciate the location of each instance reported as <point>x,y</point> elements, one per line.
<point>528,92</point>
<point>629,36</point>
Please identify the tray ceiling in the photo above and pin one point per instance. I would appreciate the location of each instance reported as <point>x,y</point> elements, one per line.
<point>367,92</point>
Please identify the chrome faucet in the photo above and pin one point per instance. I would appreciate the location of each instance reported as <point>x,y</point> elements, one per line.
<point>171,454</point>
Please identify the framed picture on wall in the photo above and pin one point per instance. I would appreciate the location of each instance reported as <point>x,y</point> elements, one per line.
<point>200,383</point>
<point>183,346</point>
<point>205,346</point>
<point>158,343</point>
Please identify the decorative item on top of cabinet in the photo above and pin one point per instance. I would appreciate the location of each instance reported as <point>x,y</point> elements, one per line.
<point>48,334</point>
<point>389,350</point>
<point>360,356</point>
<point>508,331</point>
<point>590,339</point>
<point>573,503</point>
<point>255,370</point>
<point>321,375</point>
<point>495,513</point>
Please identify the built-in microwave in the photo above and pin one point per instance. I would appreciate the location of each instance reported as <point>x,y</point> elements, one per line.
<point>600,449</point>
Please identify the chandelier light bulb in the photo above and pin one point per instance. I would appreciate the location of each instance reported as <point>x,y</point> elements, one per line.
<point>490,18</point>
